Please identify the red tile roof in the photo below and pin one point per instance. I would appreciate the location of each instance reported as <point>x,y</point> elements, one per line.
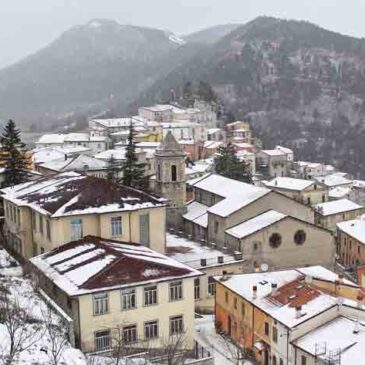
<point>93,263</point>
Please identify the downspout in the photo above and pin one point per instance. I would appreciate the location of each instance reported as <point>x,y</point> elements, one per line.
<point>130,227</point>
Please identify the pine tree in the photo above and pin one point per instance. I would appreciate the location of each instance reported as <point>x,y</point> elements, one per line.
<point>114,167</point>
<point>227,164</point>
<point>205,92</point>
<point>134,172</point>
<point>13,157</point>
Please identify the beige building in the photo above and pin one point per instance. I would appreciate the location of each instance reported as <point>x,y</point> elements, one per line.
<point>276,241</point>
<point>207,259</point>
<point>114,289</point>
<point>221,203</point>
<point>327,215</point>
<point>273,163</point>
<point>44,214</point>
<point>351,241</point>
<point>305,191</point>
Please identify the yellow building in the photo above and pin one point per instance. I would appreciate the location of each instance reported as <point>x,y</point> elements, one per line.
<point>269,312</point>
<point>44,214</point>
<point>114,290</point>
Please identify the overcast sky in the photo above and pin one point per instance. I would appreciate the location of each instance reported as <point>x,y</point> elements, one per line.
<point>27,25</point>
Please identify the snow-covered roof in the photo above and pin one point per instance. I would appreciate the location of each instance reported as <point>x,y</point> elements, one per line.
<point>116,122</point>
<point>81,163</point>
<point>255,224</point>
<point>70,193</point>
<point>289,183</point>
<point>292,290</point>
<point>213,130</point>
<point>333,180</point>
<point>46,154</point>
<point>158,108</point>
<point>186,141</point>
<point>93,264</point>
<point>236,194</point>
<point>336,207</point>
<point>197,213</point>
<point>286,150</point>
<point>274,152</point>
<point>339,192</point>
<point>243,145</point>
<point>335,335</point>
<point>354,228</point>
<point>77,137</point>
<point>190,253</point>
<point>212,144</point>
<point>117,154</point>
<point>313,165</point>
<point>51,139</point>
<point>360,184</point>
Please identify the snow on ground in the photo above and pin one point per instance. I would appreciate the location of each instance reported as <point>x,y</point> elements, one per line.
<point>223,351</point>
<point>8,265</point>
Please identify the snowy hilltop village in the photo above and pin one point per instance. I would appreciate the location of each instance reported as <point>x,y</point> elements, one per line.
<point>171,237</point>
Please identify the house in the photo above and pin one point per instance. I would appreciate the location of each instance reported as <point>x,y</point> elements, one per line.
<point>84,164</point>
<point>114,288</point>
<point>328,214</point>
<point>249,158</point>
<point>159,113</point>
<point>351,241</point>
<point>309,170</point>
<point>304,191</point>
<point>46,154</point>
<point>216,134</point>
<point>272,163</point>
<point>210,148</point>
<point>44,214</point>
<point>287,151</point>
<point>239,132</point>
<point>334,180</point>
<point>106,127</point>
<point>221,203</point>
<point>271,238</point>
<point>275,313</point>
<point>185,129</point>
<point>51,140</point>
<point>192,148</point>
<point>207,259</point>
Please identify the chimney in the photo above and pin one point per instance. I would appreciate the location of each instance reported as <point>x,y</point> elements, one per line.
<point>220,259</point>
<point>254,292</point>
<point>203,262</point>
<point>356,328</point>
<point>298,311</point>
<point>224,275</point>
<point>274,288</point>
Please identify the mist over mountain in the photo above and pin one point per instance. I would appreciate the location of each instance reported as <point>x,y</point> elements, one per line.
<point>211,35</point>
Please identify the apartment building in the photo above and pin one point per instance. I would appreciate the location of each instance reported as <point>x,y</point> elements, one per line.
<point>279,316</point>
<point>119,290</point>
<point>273,163</point>
<point>44,214</point>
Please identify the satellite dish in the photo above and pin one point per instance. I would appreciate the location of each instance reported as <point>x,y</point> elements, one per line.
<point>264,267</point>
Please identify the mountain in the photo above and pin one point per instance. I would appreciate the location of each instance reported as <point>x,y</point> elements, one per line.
<point>211,35</point>
<point>89,67</point>
<point>299,84</point>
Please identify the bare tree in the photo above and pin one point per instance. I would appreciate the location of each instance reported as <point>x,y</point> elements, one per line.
<point>22,329</point>
<point>175,350</point>
<point>56,336</point>
<point>236,353</point>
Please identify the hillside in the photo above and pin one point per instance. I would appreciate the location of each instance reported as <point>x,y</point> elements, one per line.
<point>211,35</point>
<point>89,67</point>
<point>299,84</point>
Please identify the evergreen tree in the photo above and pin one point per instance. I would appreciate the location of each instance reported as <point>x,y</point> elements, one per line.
<point>205,92</point>
<point>134,172</point>
<point>188,95</point>
<point>227,164</point>
<point>113,169</point>
<point>13,156</point>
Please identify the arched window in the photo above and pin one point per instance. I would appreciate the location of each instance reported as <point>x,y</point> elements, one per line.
<point>173,173</point>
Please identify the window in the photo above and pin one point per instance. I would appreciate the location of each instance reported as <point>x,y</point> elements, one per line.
<point>275,240</point>
<point>102,340</point>
<point>275,334</point>
<point>130,334</point>
<point>173,173</point>
<point>150,330</point>
<point>18,213</point>
<point>274,360</point>
<point>150,295</point>
<point>226,297</point>
<point>128,299</point>
<point>34,222</point>
<point>100,304</point>
<point>216,227</point>
<point>144,229</point>
<point>235,303</point>
<point>42,250</point>
<point>243,309</point>
<point>48,227</point>
<point>116,226</point>
<point>303,360</point>
<point>267,329</point>
<point>158,172</point>
<point>281,362</point>
<point>176,325</point>
<point>176,291</point>
<point>76,229</point>
<point>300,237</point>
<point>211,286</point>
<point>41,224</point>
<point>197,288</point>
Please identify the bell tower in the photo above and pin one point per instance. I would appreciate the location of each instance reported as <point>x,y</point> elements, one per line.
<point>171,179</point>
